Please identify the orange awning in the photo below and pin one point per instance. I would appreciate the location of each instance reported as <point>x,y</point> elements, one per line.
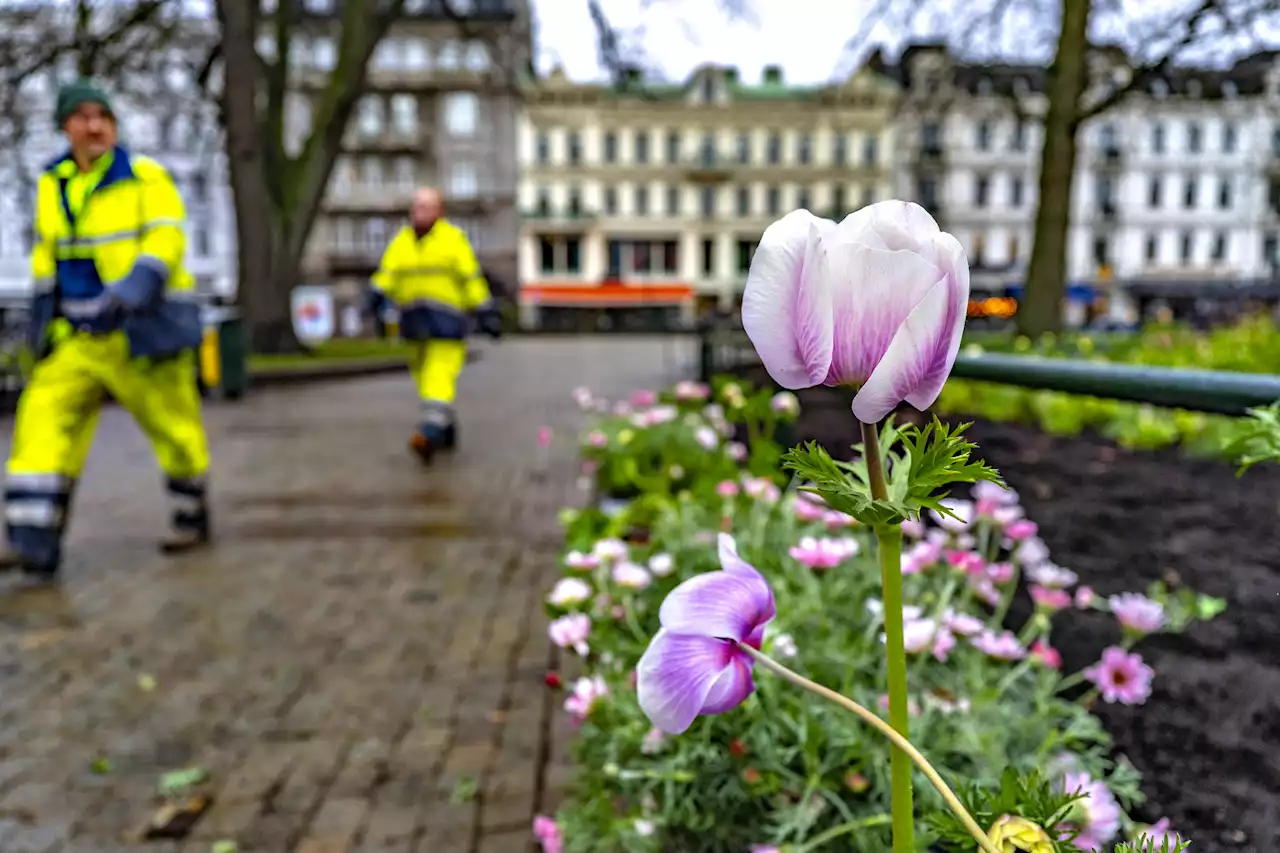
<point>606,295</point>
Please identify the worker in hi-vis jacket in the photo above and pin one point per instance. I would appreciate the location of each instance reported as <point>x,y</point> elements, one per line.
<point>112,313</point>
<point>431,275</point>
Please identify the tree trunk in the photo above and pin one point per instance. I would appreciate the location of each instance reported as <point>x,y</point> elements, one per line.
<point>1041,308</point>
<point>266,272</point>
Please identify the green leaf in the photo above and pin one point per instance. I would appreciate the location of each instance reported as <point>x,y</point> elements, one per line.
<point>177,782</point>
<point>1031,795</point>
<point>1258,439</point>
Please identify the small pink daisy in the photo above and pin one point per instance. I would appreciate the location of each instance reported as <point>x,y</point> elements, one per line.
<point>1121,676</point>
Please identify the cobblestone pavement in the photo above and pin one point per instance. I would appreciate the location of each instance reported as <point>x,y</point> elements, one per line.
<point>357,664</point>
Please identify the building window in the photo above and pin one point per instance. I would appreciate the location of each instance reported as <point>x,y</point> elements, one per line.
<point>574,144</point>
<point>708,257</point>
<point>416,57</point>
<point>868,195</point>
<point>1194,141</point>
<point>199,188</point>
<point>462,113</point>
<point>979,249</point>
<point>201,242</point>
<point>804,149</point>
<point>1015,250</point>
<point>641,259</point>
<point>983,140</point>
<point>1018,142</point>
<point>746,251</point>
<point>1224,194</point>
<point>1219,252</point>
<point>546,255</point>
<point>670,257</point>
<point>611,147</point>
<point>1108,139</point>
<point>406,171</point>
<point>543,205</point>
<point>323,54</point>
<point>1275,142</point>
<point>641,200</point>
<point>1157,138</point>
<point>575,201</point>
<point>744,201</point>
<point>1154,192</point>
<point>981,189</point>
<point>927,193</point>
<point>707,150</point>
<point>1015,192</point>
<point>802,198</point>
<point>673,201</point>
<point>930,138</point>
<point>869,151</point>
<point>744,148</point>
<point>477,57</point>
<point>369,115</point>
<point>838,202</point>
<point>542,148</point>
<point>642,147</point>
<point>1189,192</point>
<point>463,181</point>
<point>708,201</point>
<point>375,234</point>
<point>611,201</point>
<point>673,147</point>
<point>404,114</point>
<point>1185,249</point>
<point>344,234</point>
<point>839,149</point>
<point>1152,248</point>
<point>772,201</point>
<point>773,149</point>
<point>1101,251</point>
<point>573,255</point>
<point>615,260</point>
<point>1270,246</point>
<point>450,56</point>
<point>1229,139</point>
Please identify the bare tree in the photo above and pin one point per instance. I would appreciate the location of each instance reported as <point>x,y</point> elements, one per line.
<point>1076,37</point>
<point>278,186</point>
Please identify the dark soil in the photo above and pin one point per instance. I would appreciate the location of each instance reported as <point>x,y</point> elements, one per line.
<point>1208,740</point>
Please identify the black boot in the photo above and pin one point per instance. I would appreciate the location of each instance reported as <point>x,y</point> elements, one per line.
<point>451,437</point>
<point>190,524</point>
<point>12,561</point>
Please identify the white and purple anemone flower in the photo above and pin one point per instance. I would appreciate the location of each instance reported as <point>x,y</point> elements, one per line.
<point>693,665</point>
<point>876,301</point>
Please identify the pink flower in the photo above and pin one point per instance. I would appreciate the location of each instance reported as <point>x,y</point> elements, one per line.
<point>652,741</point>
<point>586,693</point>
<point>765,848</point>
<point>823,553</point>
<point>727,489</point>
<point>1161,834</point>
<point>994,494</point>
<point>568,592</point>
<point>688,390</point>
<point>1097,816</point>
<point>836,520</point>
<point>1000,572</point>
<point>597,439</point>
<point>1085,597</point>
<point>643,398</point>
<point>544,436</point>
<point>963,624</point>
<point>548,834</point>
<point>610,550</point>
<point>590,467</point>
<point>921,557</point>
<point>737,451</point>
<point>1004,646</point>
<point>806,508</point>
<point>1054,577</point>
<point>943,642</point>
<point>785,403</point>
<point>581,562</point>
<point>1046,655</point>
<point>913,707</point>
<point>876,301</point>
<point>969,562</point>
<point>1021,529</point>
<point>571,632</point>
<point>913,528</point>
<point>1049,599</point>
<point>985,591</point>
<point>631,575</point>
<point>1121,676</point>
<point>1136,613</point>
<point>761,488</point>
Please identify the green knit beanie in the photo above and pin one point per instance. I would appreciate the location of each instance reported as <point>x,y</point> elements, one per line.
<point>73,95</point>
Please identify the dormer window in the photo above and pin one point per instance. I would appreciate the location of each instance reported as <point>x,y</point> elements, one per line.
<point>1021,86</point>
<point>1193,88</point>
<point>708,90</point>
<point>1229,89</point>
<point>1159,88</point>
<point>984,85</point>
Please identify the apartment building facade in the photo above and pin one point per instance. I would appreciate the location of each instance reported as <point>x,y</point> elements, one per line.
<point>649,199</point>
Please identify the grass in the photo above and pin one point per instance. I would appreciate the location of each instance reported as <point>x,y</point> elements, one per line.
<point>340,351</point>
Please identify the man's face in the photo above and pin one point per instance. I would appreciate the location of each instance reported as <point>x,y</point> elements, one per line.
<point>91,130</point>
<point>425,210</point>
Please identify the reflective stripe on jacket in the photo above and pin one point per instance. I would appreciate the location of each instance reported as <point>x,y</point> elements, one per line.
<point>435,282</point>
<point>114,232</point>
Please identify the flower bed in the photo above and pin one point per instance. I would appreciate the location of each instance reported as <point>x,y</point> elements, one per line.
<point>784,771</point>
<point>1251,346</point>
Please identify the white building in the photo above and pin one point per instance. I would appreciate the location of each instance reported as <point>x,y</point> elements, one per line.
<point>651,198</point>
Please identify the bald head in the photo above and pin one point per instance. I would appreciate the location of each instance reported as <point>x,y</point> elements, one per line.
<point>426,209</point>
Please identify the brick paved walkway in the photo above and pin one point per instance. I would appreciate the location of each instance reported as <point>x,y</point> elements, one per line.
<point>358,663</point>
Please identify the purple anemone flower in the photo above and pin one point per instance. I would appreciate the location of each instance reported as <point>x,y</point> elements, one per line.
<point>693,665</point>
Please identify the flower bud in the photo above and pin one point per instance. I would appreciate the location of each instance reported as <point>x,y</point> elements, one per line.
<point>1013,834</point>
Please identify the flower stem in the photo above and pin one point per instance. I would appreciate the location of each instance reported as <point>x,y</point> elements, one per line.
<point>899,742</point>
<point>889,546</point>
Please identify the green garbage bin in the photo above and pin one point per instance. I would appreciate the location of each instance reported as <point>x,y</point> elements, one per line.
<point>224,356</point>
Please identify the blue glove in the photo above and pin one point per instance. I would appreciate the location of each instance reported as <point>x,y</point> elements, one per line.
<point>489,321</point>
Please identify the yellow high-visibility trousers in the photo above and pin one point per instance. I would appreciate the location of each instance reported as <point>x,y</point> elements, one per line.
<point>54,427</point>
<point>435,366</point>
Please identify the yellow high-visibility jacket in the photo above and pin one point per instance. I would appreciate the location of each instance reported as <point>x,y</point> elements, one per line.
<point>434,281</point>
<point>114,234</point>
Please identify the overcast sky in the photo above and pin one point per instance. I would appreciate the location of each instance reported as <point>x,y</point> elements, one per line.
<point>807,37</point>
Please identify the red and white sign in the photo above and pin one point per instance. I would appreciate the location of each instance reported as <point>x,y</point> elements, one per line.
<point>313,314</point>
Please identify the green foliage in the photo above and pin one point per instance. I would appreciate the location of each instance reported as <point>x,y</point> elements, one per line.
<point>1146,844</point>
<point>1251,346</point>
<point>921,465</point>
<point>1258,439</point>
<point>1030,795</point>
<point>784,768</point>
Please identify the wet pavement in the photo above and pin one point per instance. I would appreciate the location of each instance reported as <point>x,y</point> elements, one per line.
<point>358,664</point>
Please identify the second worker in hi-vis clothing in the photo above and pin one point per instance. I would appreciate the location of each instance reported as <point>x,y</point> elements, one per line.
<point>431,275</point>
